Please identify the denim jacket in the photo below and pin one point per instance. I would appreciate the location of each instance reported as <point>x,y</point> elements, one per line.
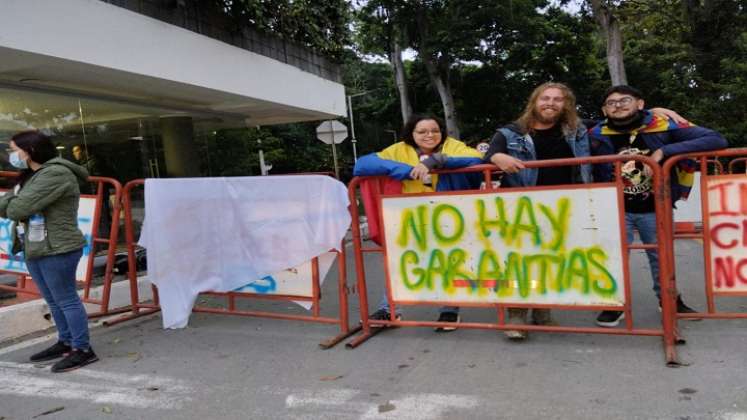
<point>521,146</point>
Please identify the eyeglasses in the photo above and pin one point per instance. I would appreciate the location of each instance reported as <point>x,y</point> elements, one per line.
<point>620,102</point>
<point>426,132</point>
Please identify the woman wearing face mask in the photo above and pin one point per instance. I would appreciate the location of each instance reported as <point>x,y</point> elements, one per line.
<point>425,147</point>
<point>44,207</point>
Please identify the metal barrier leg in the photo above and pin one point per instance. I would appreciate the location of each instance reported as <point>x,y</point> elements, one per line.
<point>357,341</point>
<point>342,291</point>
<point>360,277</point>
<point>138,314</point>
<point>135,307</point>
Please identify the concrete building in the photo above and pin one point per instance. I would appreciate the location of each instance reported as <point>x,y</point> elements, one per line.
<point>147,82</point>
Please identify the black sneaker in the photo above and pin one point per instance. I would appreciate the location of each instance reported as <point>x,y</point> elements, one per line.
<point>383,315</point>
<point>452,317</point>
<point>74,360</point>
<point>58,349</point>
<point>610,318</point>
<point>683,309</point>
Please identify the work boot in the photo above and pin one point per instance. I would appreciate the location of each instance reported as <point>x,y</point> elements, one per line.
<point>542,317</point>
<point>517,316</point>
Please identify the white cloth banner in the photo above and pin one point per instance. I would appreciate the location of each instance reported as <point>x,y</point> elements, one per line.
<point>219,234</point>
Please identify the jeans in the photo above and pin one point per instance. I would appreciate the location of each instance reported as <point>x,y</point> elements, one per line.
<point>645,224</point>
<point>384,304</point>
<point>55,277</point>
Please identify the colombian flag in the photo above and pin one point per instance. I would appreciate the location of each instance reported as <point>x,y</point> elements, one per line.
<point>653,123</point>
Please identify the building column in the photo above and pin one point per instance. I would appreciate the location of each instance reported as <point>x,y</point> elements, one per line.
<point>179,148</point>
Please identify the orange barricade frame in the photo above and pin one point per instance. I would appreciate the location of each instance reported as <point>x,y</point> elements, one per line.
<point>703,234</point>
<point>667,331</point>
<point>685,228</point>
<point>111,241</point>
<point>733,163</point>
<point>140,309</point>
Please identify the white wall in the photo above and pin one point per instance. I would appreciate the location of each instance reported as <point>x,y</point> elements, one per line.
<point>100,34</point>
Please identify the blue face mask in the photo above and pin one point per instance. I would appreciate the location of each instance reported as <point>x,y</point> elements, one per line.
<point>16,161</point>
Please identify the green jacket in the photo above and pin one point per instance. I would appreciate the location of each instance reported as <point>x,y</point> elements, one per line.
<point>52,192</point>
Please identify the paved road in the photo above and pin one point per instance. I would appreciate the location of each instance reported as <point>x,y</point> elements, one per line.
<point>224,367</point>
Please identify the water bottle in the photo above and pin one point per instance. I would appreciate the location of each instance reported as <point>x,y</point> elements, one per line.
<point>20,232</point>
<point>37,229</point>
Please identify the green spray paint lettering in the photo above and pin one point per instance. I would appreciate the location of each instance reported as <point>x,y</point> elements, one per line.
<point>556,271</point>
<point>457,258</point>
<point>578,268</point>
<point>559,221</point>
<point>489,267</point>
<point>411,257</point>
<point>484,225</point>
<point>524,221</point>
<point>437,266</point>
<point>541,262</point>
<point>515,276</point>
<point>458,222</point>
<point>603,284</point>
<point>414,222</point>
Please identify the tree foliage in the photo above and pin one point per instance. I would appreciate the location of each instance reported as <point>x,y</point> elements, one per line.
<point>320,25</point>
<point>688,55</point>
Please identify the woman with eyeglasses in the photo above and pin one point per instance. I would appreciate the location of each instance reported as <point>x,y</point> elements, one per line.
<point>44,208</point>
<point>425,147</point>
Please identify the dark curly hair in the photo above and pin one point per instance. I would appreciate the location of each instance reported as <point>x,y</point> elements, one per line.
<point>409,127</point>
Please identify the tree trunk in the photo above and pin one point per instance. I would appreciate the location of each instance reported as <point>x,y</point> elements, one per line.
<point>436,77</point>
<point>611,30</point>
<point>400,78</point>
<point>444,92</point>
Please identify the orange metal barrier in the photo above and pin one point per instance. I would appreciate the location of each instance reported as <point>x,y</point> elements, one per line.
<point>95,241</point>
<point>668,326</point>
<point>140,308</point>
<point>733,164</point>
<point>729,263</point>
<point>685,229</point>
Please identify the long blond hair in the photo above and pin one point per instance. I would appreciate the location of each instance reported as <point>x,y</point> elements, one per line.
<point>568,117</point>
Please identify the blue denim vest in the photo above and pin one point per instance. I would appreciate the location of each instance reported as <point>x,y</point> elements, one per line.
<point>521,146</point>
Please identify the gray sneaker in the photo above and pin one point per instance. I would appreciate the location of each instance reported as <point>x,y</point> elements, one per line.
<point>517,317</point>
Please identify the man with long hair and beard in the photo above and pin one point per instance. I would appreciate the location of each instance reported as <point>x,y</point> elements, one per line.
<point>549,128</point>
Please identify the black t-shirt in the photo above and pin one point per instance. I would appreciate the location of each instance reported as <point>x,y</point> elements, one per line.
<point>551,144</point>
<point>637,177</point>
<point>548,144</point>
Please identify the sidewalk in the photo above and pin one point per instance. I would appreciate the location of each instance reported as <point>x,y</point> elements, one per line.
<point>224,367</point>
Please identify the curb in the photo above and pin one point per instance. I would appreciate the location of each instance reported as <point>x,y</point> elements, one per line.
<point>33,316</point>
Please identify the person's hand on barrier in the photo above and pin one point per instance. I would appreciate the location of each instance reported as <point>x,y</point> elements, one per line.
<point>670,115</point>
<point>506,163</point>
<point>658,155</point>
<point>419,172</point>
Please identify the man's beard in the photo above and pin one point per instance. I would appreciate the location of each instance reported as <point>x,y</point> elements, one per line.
<point>547,120</point>
<point>626,119</point>
<point>631,119</point>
